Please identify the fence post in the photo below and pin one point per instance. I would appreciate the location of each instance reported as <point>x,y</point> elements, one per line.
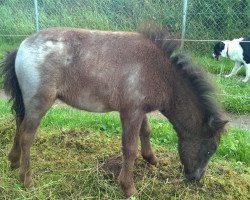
<point>36,16</point>
<point>184,19</point>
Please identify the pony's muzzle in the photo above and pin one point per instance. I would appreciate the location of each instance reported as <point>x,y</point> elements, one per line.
<point>196,175</point>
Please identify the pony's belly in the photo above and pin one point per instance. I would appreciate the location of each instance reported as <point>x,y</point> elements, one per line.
<point>93,107</point>
<point>88,104</point>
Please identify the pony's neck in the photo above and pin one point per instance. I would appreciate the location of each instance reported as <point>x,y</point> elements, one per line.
<point>185,112</point>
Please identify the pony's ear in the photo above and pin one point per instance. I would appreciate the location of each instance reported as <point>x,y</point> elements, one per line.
<point>216,124</point>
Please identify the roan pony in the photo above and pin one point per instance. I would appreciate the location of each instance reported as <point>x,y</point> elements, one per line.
<point>133,73</point>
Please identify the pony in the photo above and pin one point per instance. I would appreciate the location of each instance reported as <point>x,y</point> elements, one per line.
<point>133,73</point>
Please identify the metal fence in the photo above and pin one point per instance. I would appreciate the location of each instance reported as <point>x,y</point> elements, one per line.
<point>192,19</point>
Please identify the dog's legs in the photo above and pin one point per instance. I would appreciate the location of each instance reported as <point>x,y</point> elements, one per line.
<point>247,73</point>
<point>234,71</point>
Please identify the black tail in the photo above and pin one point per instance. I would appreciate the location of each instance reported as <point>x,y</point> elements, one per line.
<point>11,85</point>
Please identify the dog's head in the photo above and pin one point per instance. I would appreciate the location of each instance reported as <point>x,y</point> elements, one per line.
<point>218,48</point>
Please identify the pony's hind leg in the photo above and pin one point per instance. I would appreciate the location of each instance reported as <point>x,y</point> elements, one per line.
<point>131,123</point>
<point>15,152</point>
<point>34,111</point>
<point>27,134</point>
<point>146,149</point>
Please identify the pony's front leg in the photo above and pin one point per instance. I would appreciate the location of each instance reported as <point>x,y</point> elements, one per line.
<point>146,149</point>
<point>131,123</point>
<point>27,135</point>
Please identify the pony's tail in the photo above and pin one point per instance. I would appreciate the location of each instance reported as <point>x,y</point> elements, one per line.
<point>11,85</point>
<point>159,35</point>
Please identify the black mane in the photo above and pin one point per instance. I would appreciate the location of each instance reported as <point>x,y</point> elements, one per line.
<point>195,75</point>
<point>161,37</point>
<point>201,84</point>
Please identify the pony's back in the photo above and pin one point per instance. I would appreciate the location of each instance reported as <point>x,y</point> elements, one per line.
<point>93,70</point>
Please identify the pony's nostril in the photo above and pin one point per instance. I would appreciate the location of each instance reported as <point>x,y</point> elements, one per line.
<point>196,176</point>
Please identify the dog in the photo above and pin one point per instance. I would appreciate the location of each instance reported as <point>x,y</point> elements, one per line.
<point>237,50</point>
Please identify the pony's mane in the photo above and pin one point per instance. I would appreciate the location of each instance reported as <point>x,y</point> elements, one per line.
<point>201,84</point>
<point>161,37</point>
<point>197,78</point>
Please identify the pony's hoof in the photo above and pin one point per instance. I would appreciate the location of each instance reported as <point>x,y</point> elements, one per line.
<point>14,165</point>
<point>128,187</point>
<point>227,76</point>
<point>27,181</point>
<point>151,159</point>
<point>130,192</point>
<point>14,161</point>
<point>245,80</point>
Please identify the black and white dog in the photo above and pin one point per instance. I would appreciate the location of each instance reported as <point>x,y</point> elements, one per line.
<point>237,50</point>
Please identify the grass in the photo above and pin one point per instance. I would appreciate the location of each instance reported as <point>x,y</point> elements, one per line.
<point>6,46</point>
<point>232,92</point>
<point>73,150</point>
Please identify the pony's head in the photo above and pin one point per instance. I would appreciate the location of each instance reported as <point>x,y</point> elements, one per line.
<point>197,117</point>
<point>196,150</point>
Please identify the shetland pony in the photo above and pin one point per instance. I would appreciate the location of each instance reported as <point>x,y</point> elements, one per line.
<point>101,71</point>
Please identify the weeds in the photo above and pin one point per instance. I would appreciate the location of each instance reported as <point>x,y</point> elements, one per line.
<point>82,164</point>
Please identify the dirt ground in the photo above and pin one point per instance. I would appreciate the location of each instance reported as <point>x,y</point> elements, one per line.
<point>239,121</point>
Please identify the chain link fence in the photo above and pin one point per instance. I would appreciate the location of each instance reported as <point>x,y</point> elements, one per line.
<point>199,23</point>
<point>199,20</point>
<point>218,19</point>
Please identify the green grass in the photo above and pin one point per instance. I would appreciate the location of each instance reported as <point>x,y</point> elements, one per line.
<point>72,149</point>
<point>222,66</point>
<point>234,95</point>
<point>232,92</point>
<point>7,46</point>
<point>235,144</point>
